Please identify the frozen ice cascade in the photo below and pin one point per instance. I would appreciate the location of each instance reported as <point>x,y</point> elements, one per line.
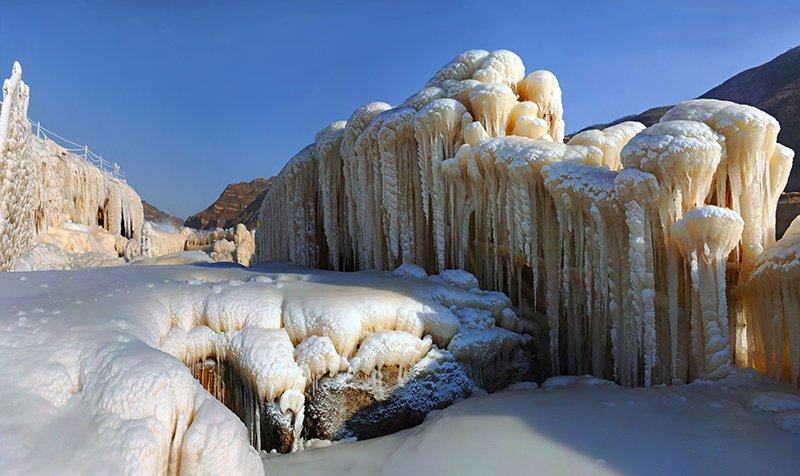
<point>52,198</point>
<point>644,255</point>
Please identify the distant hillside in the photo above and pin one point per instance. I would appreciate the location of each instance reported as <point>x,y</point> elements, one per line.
<point>238,203</point>
<point>154,215</point>
<point>773,87</point>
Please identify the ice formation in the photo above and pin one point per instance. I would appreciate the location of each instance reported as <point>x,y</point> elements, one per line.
<point>59,211</point>
<point>771,303</point>
<point>471,172</point>
<point>47,191</point>
<point>17,172</point>
<point>222,245</point>
<point>120,346</point>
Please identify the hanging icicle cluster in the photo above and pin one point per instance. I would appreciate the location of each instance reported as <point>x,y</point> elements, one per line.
<point>625,240</point>
<point>771,308</point>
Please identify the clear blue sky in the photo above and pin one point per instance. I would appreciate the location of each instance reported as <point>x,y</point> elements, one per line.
<point>190,96</point>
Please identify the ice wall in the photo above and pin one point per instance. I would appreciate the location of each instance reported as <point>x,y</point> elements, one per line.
<point>605,240</point>
<point>45,188</point>
<point>72,190</point>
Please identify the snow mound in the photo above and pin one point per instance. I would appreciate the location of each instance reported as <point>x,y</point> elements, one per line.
<point>774,402</point>
<point>568,381</point>
<point>789,421</point>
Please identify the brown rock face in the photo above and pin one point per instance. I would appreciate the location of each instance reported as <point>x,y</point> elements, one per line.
<point>154,215</point>
<point>773,87</point>
<point>238,203</point>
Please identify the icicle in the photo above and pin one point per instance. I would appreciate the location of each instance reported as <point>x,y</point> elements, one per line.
<point>708,234</point>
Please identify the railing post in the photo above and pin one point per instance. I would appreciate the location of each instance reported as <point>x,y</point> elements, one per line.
<point>38,130</point>
<point>86,152</point>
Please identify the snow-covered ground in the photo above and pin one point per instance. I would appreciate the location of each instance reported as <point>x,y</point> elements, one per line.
<point>88,385</point>
<point>586,428</point>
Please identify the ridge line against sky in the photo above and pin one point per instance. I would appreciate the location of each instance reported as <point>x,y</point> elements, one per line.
<point>191,96</point>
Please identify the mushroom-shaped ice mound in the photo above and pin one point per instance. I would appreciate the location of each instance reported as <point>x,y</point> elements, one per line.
<point>460,68</point>
<point>474,133</point>
<point>387,348</point>
<point>683,155</point>
<point>492,105</point>
<point>705,236</point>
<point>750,143</point>
<point>610,140</point>
<point>316,357</point>
<point>541,87</point>
<point>522,109</point>
<point>531,127</point>
<point>501,66</point>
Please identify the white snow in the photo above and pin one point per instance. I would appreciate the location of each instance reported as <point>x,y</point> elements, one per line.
<point>607,429</point>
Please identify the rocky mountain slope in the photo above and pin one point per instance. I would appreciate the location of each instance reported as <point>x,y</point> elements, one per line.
<point>238,203</point>
<point>773,87</point>
<point>154,215</point>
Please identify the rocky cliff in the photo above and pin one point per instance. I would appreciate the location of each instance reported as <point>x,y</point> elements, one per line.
<point>154,215</point>
<point>238,203</point>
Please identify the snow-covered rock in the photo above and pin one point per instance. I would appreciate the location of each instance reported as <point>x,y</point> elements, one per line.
<point>355,405</point>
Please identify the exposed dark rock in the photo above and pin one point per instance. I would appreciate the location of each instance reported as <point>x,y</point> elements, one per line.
<point>269,428</point>
<point>360,406</point>
<point>788,210</point>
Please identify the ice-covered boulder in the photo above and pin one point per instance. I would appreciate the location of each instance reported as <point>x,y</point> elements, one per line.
<point>355,405</point>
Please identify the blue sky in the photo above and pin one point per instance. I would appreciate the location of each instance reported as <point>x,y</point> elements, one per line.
<point>190,96</point>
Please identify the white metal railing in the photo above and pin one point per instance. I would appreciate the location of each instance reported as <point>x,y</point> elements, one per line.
<point>110,168</point>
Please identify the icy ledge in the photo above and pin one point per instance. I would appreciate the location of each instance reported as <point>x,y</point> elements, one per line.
<point>100,358</point>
